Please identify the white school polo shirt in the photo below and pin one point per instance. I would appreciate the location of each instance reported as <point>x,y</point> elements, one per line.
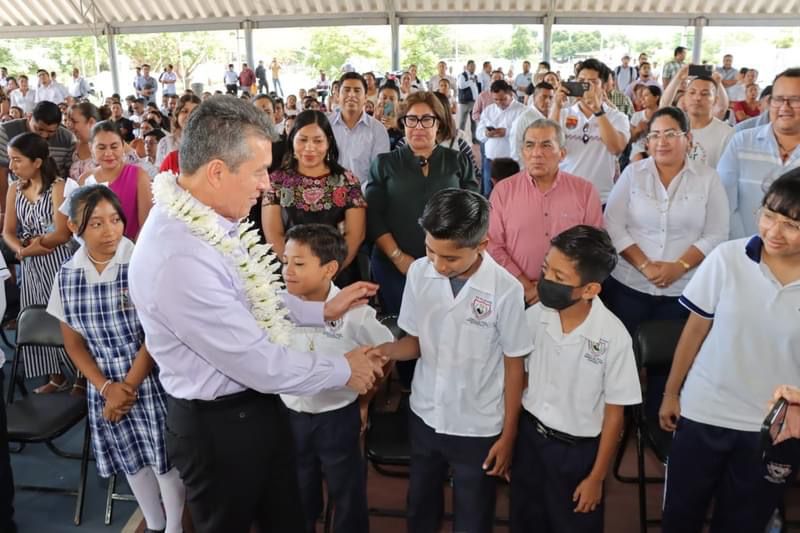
<point>708,143</point>
<point>459,378</point>
<point>572,377</point>
<point>358,327</point>
<point>754,342</point>
<point>591,160</point>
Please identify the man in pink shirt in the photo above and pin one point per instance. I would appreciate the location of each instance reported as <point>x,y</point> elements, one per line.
<point>538,203</point>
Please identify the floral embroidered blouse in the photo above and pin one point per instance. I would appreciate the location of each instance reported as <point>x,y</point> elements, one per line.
<point>313,200</point>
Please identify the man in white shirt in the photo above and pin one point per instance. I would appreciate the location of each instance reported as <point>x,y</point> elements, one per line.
<point>709,134</point>
<point>468,92</point>
<point>596,132</point>
<point>441,73</point>
<point>494,128</point>
<point>523,80</point>
<point>625,73</point>
<point>736,93</point>
<point>168,79</point>
<point>49,90</point>
<point>727,73</point>
<point>485,76</point>
<point>79,88</point>
<point>360,137</point>
<point>24,97</point>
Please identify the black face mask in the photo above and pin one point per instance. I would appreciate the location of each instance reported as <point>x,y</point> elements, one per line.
<point>555,295</point>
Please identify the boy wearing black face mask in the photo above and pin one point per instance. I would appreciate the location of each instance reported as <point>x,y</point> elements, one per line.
<point>581,373</point>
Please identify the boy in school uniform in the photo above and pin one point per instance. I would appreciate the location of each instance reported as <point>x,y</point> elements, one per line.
<point>581,373</point>
<point>464,315</point>
<point>327,426</point>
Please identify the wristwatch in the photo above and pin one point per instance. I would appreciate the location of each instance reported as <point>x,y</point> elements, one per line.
<point>600,113</point>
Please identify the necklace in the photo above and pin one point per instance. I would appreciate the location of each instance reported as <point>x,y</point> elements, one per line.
<point>96,262</point>
<point>254,264</point>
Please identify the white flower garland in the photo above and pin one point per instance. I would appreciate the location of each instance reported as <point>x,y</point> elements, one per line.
<point>255,264</point>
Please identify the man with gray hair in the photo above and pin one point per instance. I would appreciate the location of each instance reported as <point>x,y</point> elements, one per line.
<point>538,203</point>
<point>220,355</point>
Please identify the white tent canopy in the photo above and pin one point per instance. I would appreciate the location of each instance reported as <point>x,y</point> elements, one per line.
<point>54,18</point>
<point>26,18</point>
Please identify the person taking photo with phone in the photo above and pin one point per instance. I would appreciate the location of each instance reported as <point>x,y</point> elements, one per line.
<point>737,346</point>
<point>596,132</point>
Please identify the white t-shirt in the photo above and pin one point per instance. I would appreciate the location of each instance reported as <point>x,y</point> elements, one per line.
<point>572,377</point>
<point>752,346</point>
<point>231,78</point>
<point>737,93</point>
<point>664,223</point>
<point>708,143</point>
<point>459,378</point>
<point>591,160</point>
<point>358,327</point>
<point>640,145</point>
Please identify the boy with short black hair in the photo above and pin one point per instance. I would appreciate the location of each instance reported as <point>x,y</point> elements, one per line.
<point>502,168</point>
<point>464,315</point>
<point>327,426</point>
<point>581,374</point>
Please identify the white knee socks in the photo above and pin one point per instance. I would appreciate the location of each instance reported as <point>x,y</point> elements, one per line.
<point>147,486</point>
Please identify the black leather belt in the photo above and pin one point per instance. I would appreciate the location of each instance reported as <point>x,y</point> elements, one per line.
<point>550,433</point>
<point>228,401</point>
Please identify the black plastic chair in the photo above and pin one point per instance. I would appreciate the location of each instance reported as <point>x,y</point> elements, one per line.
<point>41,418</point>
<point>654,347</point>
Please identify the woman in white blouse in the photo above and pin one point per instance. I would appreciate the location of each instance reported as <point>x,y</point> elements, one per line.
<point>665,215</point>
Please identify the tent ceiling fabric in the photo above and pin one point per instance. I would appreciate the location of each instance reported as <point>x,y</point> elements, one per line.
<point>78,16</point>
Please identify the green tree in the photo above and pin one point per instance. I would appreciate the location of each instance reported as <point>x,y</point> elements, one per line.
<point>69,52</point>
<point>784,40</point>
<point>424,46</point>
<point>523,44</point>
<point>329,50</point>
<point>567,45</point>
<point>185,51</point>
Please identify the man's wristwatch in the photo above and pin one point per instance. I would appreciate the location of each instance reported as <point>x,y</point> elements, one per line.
<point>600,113</point>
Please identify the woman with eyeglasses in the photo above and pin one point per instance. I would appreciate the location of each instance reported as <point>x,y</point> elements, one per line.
<point>665,215</point>
<point>739,344</point>
<point>399,186</point>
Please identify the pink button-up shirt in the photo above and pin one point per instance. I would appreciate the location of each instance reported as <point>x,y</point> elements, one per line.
<point>523,219</point>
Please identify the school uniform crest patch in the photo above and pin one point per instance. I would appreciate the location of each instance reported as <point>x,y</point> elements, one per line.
<point>481,308</point>
<point>595,350</point>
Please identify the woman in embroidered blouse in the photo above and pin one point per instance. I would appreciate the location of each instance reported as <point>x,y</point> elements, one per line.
<point>312,187</point>
<point>665,215</point>
<point>104,339</point>
<point>130,182</point>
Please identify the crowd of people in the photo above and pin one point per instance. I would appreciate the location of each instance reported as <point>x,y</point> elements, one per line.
<point>521,227</point>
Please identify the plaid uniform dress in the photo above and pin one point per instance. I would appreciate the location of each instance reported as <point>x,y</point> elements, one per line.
<point>104,315</point>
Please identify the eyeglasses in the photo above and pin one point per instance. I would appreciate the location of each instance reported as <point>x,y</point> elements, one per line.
<point>669,135</point>
<point>778,101</point>
<point>767,218</point>
<point>411,121</point>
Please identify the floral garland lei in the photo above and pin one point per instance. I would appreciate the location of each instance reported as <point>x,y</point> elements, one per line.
<point>255,264</point>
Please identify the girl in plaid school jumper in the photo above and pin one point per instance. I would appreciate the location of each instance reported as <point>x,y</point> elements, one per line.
<point>105,340</point>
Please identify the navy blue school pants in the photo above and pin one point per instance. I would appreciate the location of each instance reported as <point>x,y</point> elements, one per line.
<point>329,444</point>
<point>544,475</point>
<point>708,462</point>
<point>473,491</point>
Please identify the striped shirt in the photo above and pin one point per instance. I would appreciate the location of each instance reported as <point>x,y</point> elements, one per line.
<point>62,144</point>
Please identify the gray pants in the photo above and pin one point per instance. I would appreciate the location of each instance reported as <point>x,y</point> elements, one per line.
<point>465,113</point>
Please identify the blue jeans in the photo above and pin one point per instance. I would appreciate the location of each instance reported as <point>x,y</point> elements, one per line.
<point>486,175</point>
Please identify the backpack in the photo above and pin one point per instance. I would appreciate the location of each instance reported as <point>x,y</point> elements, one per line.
<point>465,95</point>
<point>631,71</point>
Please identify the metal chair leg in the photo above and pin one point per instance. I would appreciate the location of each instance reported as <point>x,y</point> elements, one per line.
<point>82,482</point>
<point>112,484</point>
<point>641,480</point>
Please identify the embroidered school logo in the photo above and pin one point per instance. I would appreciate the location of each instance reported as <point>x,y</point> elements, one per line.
<point>778,473</point>
<point>125,302</point>
<point>481,308</point>
<point>595,350</point>
<point>333,328</point>
<point>572,122</point>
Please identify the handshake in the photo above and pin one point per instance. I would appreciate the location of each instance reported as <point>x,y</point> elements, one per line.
<point>367,364</point>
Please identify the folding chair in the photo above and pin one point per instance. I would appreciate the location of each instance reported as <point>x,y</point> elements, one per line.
<point>654,347</point>
<point>39,418</point>
<point>112,495</point>
<point>386,443</point>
